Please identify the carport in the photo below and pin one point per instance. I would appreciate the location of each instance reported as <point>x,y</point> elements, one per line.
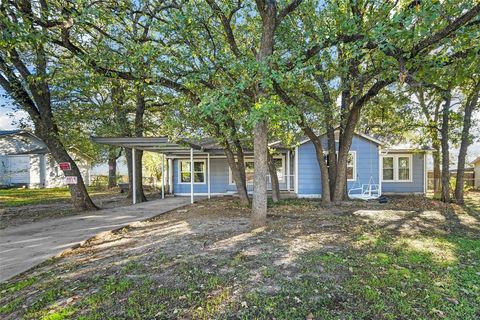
<point>165,147</point>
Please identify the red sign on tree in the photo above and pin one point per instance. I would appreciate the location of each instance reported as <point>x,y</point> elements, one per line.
<point>64,166</point>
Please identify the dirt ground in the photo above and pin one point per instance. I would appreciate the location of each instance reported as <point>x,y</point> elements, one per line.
<point>13,216</point>
<point>313,262</point>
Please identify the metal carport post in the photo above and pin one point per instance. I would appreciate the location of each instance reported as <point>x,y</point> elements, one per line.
<point>191,175</point>
<point>208,174</point>
<point>134,178</point>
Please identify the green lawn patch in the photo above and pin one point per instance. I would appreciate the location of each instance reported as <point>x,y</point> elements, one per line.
<point>20,196</point>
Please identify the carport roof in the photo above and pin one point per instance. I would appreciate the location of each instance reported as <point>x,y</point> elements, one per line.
<point>154,144</point>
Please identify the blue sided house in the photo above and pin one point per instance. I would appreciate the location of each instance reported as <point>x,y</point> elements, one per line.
<point>372,168</point>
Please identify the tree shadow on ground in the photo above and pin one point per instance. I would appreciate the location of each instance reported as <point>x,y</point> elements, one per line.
<point>207,263</point>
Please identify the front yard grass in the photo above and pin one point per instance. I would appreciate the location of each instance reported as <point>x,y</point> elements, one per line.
<point>412,258</point>
<point>21,196</point>
<point>472,201</point>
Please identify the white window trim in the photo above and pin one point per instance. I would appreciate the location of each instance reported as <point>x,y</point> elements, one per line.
<point>354,163</point>
<point>354,166</point>
<point>393,164</point>
<point>280,180</point>
<point>194,160</point>
<point>396,169</point>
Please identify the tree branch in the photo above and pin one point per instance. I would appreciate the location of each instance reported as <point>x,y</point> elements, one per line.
<point>289,8</point>
<point>226,26</point>
<point>445,32</point>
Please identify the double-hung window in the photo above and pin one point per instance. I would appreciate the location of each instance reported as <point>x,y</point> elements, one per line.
<point>351,164</point>
<point>198,171</point>
<point>388,170</point>
<point>397,168</point>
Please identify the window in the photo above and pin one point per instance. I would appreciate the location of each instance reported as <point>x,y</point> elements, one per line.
<point>403,168</point>
<point>198,171</point>
<point>351,164</point>
<point>388,169</point>
<point>397,168</point>
<point>249,170</point>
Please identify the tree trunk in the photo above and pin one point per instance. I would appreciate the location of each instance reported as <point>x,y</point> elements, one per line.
<point>140,193</point>
<point>346,136</point>
<point>79,195</point>
<point>331,144</point>
<point>465,142</point>
<point>324,173</point>
<point>112,167</point>
<point>436,145</point>
<point>112,172</point>
<point>239,165</point>
<point>436,170</point>
<point>324,178</point>
<point>332,157</point>
<point>274,179</point>
<point>344,148</point>
<point>238,176</point>
<point>445,196</point>
<point>138,128</point>
<point>268,13</point>
<point>260,176</point>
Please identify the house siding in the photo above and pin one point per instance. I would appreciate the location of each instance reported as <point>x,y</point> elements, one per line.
<point>417,184</point>
<point>477,175</point>
<point>219,178</point>
<point>309,179</point>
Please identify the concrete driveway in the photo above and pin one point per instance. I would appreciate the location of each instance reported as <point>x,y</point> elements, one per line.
<point>23,247</point>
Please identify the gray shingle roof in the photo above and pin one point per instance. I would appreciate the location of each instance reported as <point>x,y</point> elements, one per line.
<point>10,132</point>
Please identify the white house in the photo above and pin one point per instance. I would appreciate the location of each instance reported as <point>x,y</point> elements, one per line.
<point>476,168</point>
<point>26,161</point>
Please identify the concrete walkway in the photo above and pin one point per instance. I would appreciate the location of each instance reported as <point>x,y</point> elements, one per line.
<point>23,247</point>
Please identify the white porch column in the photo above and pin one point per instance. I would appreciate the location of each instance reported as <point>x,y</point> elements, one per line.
<point>380,171</point>
<point>208,174</point>
<point>288,170</point>
<point>191,175</point>
<point>170,176</point>
<point>163,176</point>
<point>134,180</point>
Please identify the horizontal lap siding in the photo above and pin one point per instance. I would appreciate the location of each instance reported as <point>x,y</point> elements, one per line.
<point>309,179</point>
<point>416,186</point>
<point>367,161</point>
<point>219,178</point>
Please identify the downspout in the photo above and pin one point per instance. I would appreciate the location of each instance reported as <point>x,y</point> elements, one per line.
<point>296,171</point>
